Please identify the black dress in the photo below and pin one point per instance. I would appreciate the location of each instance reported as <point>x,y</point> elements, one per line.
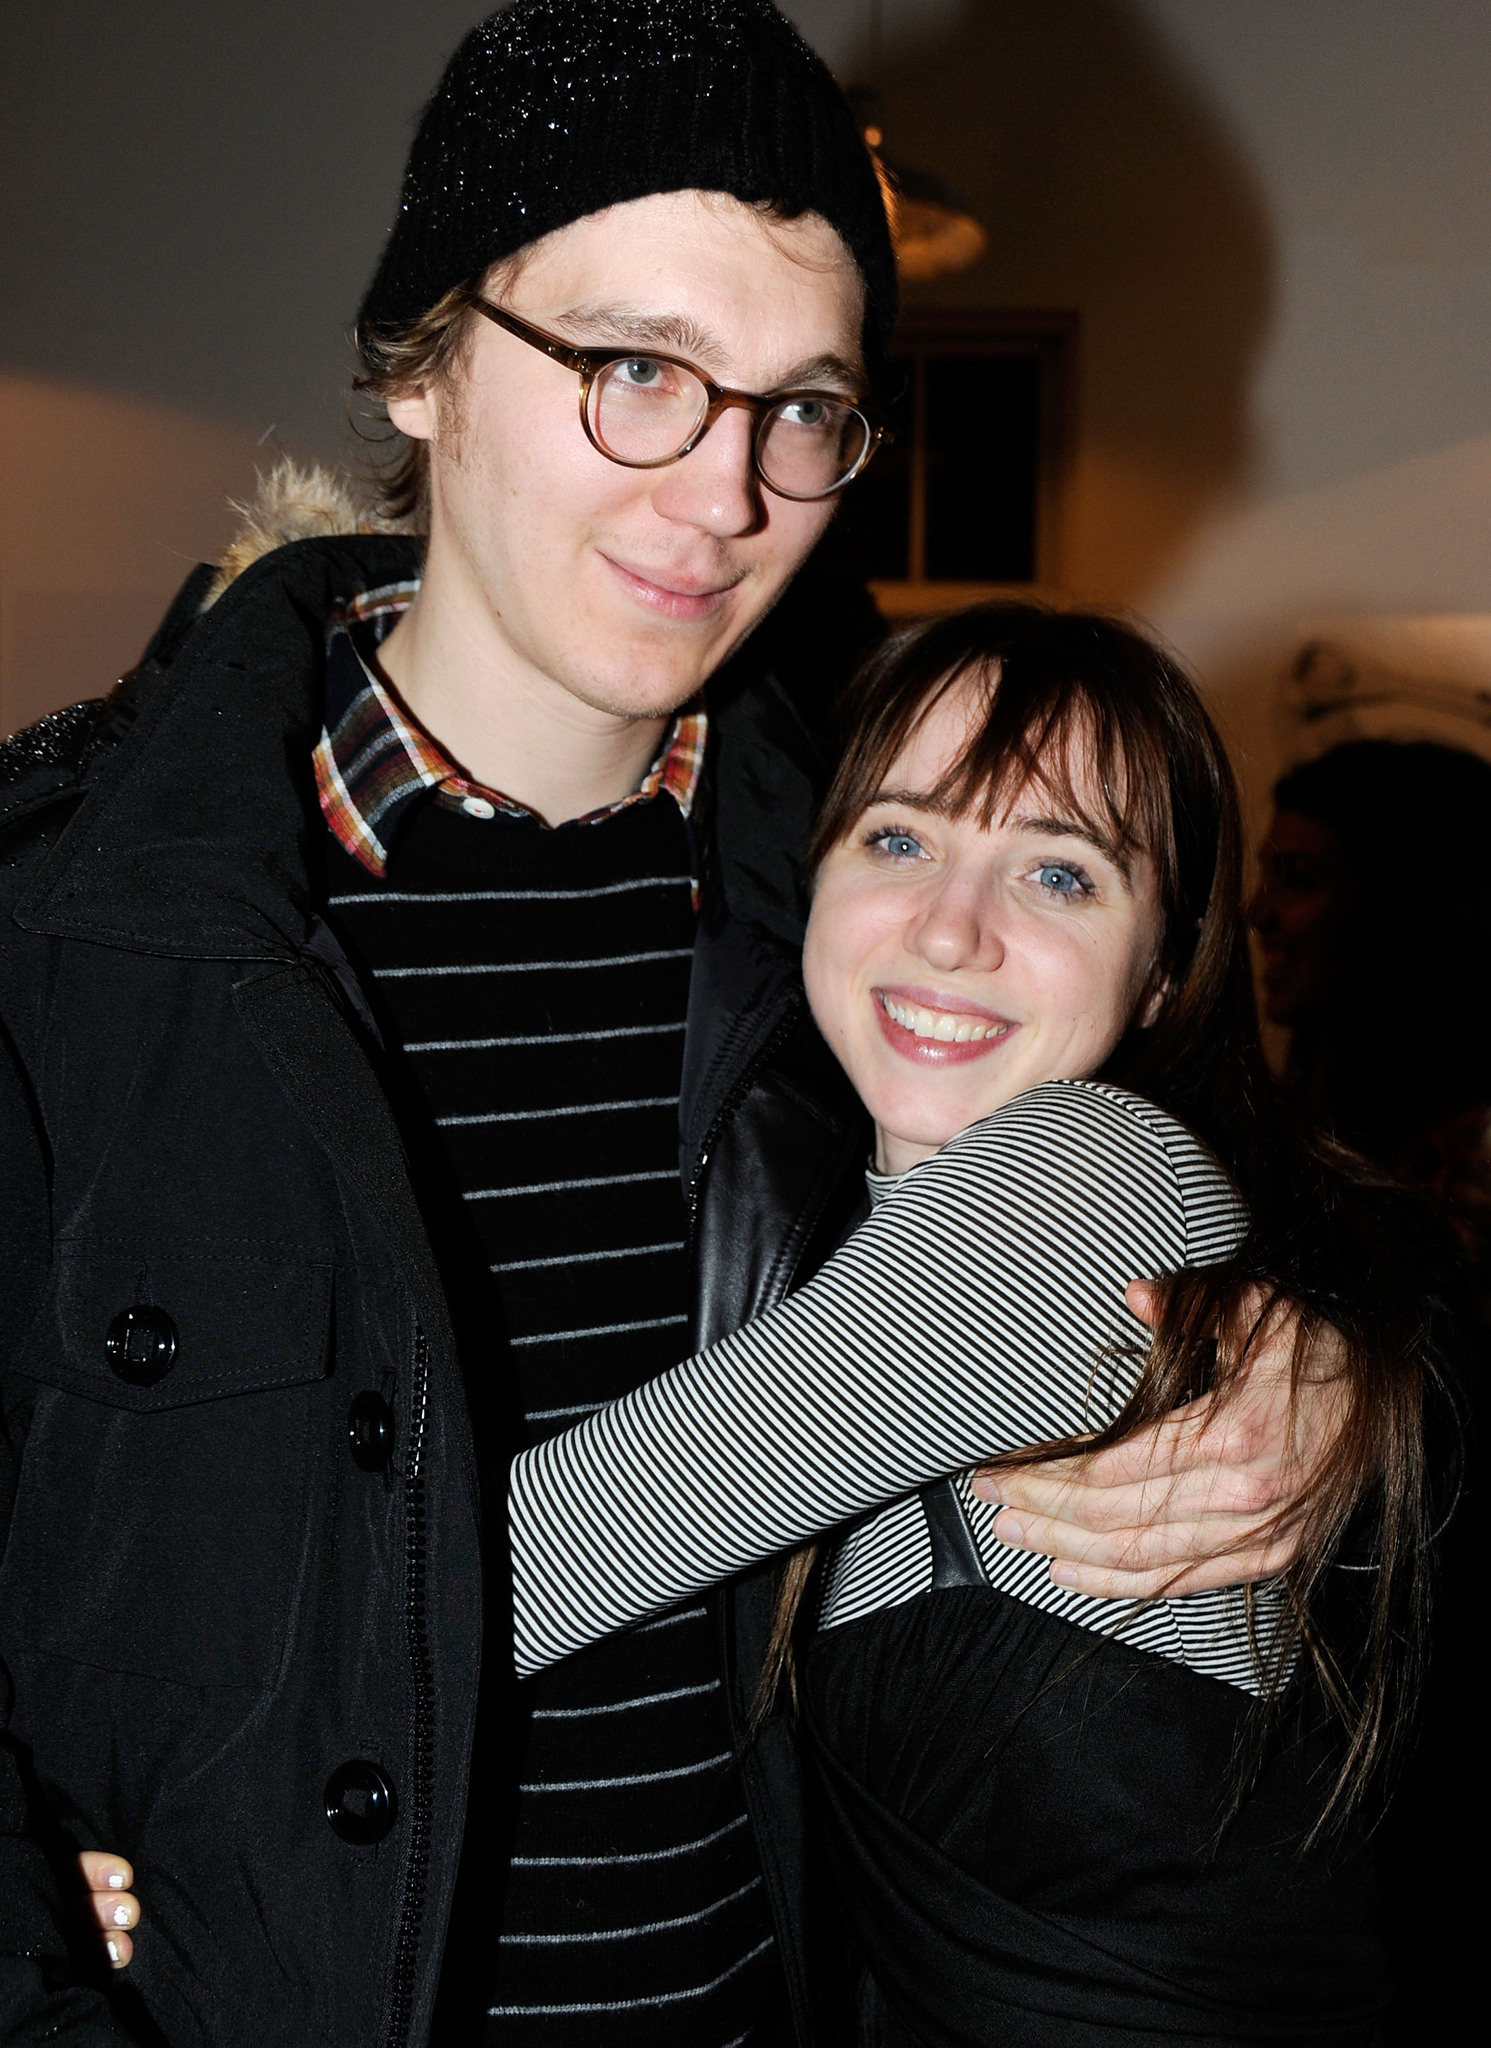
<point>1024,1823</point>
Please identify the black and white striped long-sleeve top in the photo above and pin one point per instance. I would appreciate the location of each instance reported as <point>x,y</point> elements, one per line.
<point>979,1307</point>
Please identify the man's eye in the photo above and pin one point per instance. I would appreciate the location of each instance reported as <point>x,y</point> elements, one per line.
<point>804,412</point>
<point>642,373</point>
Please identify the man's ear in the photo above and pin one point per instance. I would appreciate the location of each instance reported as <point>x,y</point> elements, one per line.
<point>414,414</point>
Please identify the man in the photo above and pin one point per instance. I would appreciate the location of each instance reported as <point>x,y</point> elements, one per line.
<point>356,957</point>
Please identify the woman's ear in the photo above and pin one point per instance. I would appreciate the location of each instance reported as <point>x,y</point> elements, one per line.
<point>1154,1002</point>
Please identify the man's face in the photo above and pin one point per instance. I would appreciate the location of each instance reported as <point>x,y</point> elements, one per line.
<point>1304,891</point>
<point>626,587</point>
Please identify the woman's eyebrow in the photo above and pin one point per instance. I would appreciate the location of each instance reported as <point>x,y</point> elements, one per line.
<point>1068,828</point>
<point>1057,828</point>
<point>909,800</point>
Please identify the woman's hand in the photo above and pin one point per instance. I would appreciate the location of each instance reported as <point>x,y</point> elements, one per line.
<point>114,1906</point>
<point>1193,1501</point>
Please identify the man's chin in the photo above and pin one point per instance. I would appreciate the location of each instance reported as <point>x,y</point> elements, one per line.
<point>654,674</point>
<point>624,693</point>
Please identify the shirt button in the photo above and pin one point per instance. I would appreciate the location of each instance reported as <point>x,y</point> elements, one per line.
<point>478,807</point>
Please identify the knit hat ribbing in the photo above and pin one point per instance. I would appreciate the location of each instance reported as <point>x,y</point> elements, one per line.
<point>553,109</point>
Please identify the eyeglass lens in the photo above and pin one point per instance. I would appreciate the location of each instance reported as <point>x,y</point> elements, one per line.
<point>645,410</point>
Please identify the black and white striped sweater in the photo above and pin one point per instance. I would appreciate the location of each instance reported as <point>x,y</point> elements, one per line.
<point>980,1307</point>
<point>536,983</point>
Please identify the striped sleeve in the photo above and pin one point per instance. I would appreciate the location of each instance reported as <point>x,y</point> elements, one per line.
<point>979,1308</point>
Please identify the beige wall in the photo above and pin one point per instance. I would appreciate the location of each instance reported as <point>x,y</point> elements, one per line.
<point>190,202</point>
<point>1274,217</point>
<point>108,501</point>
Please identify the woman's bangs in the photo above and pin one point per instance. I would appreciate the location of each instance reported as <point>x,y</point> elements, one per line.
<point>1061,741</point>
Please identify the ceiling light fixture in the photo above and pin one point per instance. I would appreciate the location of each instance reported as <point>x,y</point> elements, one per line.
<point>933,232</point>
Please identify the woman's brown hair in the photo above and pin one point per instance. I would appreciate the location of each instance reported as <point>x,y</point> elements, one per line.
<point>1079,704</point>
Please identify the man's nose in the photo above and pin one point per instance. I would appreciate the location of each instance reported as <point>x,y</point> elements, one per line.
<point>959,928</point>
<point>715,486</point>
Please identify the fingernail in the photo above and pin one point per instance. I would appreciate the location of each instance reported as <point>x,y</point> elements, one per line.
<point>1064,1574</point>
<point>113,1947</point>
<point>1010,1529</point>
<point>116,1880</point>
<point>121,1916</point>
<point>984,1487</point>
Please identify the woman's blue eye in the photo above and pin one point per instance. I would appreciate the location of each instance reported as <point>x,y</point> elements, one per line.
<point>1060,880</point>
<point>898,845</point>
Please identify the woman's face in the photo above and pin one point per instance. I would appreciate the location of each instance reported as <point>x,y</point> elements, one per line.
<point>951,966</point>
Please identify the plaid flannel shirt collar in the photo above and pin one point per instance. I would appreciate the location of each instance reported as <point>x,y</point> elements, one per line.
<point>374,760</point>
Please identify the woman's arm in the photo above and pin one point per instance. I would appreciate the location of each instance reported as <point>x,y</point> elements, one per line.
<point>968,1315</point>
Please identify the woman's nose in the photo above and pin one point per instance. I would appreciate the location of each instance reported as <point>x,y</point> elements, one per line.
<point>959,928</point>
<point>715,486</point>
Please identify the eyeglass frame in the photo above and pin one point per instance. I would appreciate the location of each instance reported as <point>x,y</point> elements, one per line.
<point>587,363</point>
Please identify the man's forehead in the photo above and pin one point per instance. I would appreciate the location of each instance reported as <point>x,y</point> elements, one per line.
<point>703,276</point>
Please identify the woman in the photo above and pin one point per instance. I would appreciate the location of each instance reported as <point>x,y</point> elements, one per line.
<point>1050,1819</point>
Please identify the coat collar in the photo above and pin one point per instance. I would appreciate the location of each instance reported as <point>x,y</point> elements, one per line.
<point>195,837</point>
<point>198,832</point>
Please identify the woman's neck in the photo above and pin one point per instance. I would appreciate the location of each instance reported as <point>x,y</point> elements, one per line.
<point>895,1155</point>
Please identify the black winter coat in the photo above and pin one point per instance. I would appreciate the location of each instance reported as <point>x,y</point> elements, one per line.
<point>240,1638</point>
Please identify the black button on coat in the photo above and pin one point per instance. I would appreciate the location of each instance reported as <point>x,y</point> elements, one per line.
<point>213,1605</point>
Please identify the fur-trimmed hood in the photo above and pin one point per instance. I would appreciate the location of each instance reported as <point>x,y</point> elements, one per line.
<point>297,503</point>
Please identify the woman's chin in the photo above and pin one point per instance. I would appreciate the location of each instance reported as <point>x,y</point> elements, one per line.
<point>917,1129</point>
<point>907,1138</point>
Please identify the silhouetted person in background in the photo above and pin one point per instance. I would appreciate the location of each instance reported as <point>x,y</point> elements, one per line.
<point>1375,930</point>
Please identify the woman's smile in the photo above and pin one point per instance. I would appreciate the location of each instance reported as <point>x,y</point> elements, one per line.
<point>938,1029</point>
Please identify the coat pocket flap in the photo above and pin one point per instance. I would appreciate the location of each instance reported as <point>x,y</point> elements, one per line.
<point>179,1324</point>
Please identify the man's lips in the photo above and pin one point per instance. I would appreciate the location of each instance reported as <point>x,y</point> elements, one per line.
<point>672,593</point>
<point>925,1026</point>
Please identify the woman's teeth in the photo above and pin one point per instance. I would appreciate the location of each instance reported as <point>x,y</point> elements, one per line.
<point>938,1023</point>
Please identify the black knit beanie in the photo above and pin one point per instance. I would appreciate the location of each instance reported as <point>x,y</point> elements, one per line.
<point>552,109</point>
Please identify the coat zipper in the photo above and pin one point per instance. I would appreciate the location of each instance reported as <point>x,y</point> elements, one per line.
<point>422,1692</point>
<point>734,1096</point>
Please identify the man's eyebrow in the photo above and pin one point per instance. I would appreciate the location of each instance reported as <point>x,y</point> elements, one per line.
<point>636,323</point>
<point>828,369</point>
<point>680,334</point>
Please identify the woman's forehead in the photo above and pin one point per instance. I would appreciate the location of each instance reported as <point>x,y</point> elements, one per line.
<point>945,739</point>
